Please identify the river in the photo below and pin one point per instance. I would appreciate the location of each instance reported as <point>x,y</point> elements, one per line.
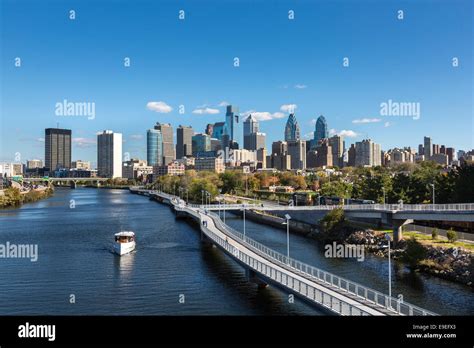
<point>171,272</point>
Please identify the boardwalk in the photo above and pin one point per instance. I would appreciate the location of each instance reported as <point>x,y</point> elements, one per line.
<point>317,287</point>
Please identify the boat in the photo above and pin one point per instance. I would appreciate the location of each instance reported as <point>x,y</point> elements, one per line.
<point>124,242</point>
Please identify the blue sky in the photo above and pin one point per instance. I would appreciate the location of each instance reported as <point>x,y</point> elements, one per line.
<point>190,62</point>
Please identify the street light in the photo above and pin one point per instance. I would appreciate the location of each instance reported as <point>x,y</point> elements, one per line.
<point>288,218</point>
<point>243,206</point>
<point>202,197</point>
<point>387,237</point>
<point>433,186</point>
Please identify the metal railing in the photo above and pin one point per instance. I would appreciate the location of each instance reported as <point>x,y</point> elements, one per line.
<point>344,286</point>
<point>442,232</point>
<point>469,207</point>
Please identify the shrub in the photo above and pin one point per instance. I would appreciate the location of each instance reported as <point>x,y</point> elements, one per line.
<point>452,235</point>
<point>434,234</point>
<point>414,253</point>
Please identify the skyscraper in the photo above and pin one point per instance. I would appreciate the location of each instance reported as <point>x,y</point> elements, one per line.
<point>368,153</point>
<point>184,147</point>
<point>250,128</point>
<point>297,151</point>
<point>168,144</point>
<point>218,130</point>
<point>336,143</point>
<point>231,121</point>
<point>201,143</point>
<point>256,141</point>
<point>57,150</point>
<point>321,130</point>
<point>154,147</point>
<point>428,148</point>
<point>109,154</point>
<point>209,129</point>
<point>292,129</point>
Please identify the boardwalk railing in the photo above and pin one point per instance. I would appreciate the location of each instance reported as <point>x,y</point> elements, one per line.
<point>314,273</point>
<point>356,294</point>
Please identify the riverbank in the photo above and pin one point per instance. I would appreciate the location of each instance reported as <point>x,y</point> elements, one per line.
<point>450,261</point>
<point>12,197</point>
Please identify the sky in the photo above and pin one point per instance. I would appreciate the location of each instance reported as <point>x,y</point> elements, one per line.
<point>190,63</point>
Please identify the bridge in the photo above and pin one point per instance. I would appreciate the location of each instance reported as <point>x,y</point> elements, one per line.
<point>395,215</point>
<point>71,181</point>
<point>265,266</point>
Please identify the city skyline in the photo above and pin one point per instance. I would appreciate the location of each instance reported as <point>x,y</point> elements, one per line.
<point>313,81</point>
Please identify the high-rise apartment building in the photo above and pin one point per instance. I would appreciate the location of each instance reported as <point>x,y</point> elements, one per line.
<point>297,151</point>
<point>336,143</point>
<point>109,154</point>
<point>368,153</point>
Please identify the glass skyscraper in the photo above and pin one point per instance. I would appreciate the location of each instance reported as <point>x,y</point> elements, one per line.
<point>321,130</point>
<point>154,147</point>
<point>292,129</point>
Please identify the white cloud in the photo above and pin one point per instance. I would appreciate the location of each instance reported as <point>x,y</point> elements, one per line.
<point>40,140</point>
<point>136,136</point>
<point>288,108</point>
<point>367,120</point>
<point>313,122</point>
<point>83,142</point>
<point>345,133</point>
<point>223,103</point>
<point>263,115</point>
<point>387,124</point>
<point>300,86</point>
<point>159,106</point>
<point>206,111</point>
<point>348,133</point>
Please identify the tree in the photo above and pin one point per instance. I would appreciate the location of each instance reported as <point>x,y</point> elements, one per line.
<point>414,253</point>
<point>333,225</point>
<point>452,235</point>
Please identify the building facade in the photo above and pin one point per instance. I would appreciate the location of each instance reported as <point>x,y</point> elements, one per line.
<point>57,149</point>
<point>109,154</point>
<point>154,147</point>
<point>168,149</point>
<point>184,140</point>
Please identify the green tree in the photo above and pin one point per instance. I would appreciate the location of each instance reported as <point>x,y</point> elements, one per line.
<point>414,253</point>
<point>452,235</point>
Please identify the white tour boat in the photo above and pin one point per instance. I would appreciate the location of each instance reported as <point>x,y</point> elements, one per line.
<point>124,242</point>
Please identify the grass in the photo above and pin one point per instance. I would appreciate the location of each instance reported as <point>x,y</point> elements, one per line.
<point>440,242</point>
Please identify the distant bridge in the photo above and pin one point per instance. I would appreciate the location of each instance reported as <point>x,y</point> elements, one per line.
<point>264,266</point>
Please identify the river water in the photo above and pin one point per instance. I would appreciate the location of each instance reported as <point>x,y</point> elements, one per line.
<point>171,272</point>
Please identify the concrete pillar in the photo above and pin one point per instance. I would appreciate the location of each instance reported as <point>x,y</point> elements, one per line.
<point>398,229</point>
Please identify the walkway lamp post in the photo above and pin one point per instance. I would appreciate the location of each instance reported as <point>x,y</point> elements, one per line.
<point>243,208</point>
<point>208,195</point>
<point>387,237</point>
<point>202,197</point>
<point>433,186</point>
<point>288,218</point>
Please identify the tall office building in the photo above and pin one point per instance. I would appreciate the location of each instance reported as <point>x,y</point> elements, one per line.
<point>428,148</point>
<point>250,127</point>
<point>184,146</point>
<point>218,130</point>
<point>109,154</point>
<point>292,129</point>
<point>154,147</point>
<point>231,121</point>
<point>209,129</point>
<point>324,154</point>
<point>336,143</point>
<point>351,156</point>
<point>256,141</point>
<point>57,154</point>
<point>321,130</point>
<point>297,151</point>
<point>168,144</point>
<point>201,143</point>
<point>279,147</point>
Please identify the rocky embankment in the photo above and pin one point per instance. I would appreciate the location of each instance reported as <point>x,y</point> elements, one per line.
<point>454,264</point>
